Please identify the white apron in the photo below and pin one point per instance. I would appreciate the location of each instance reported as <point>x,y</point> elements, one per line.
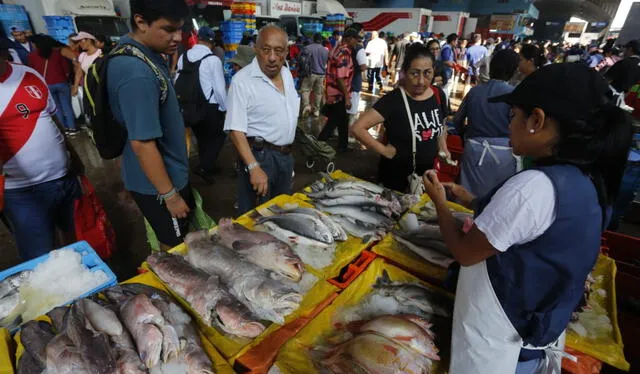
<point>484,339</point>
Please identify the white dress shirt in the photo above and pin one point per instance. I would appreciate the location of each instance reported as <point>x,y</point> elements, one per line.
<point>376,50</point>
<point>257,108</point>
<point>211,75</point>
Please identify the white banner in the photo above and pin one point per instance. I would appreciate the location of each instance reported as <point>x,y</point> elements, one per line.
<point>279,7</point>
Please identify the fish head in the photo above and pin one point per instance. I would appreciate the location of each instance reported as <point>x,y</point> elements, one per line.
<point>234,322</point>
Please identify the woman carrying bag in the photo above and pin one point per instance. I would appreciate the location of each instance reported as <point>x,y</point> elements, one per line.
<point>413,116</point>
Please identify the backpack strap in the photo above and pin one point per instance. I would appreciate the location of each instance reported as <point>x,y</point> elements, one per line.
<point>133,51</point>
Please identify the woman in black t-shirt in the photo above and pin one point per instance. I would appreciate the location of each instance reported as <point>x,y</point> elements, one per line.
<point>428,106</point>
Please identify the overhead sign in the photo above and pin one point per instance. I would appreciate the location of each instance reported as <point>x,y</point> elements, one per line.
<point>279,7</point>
<point>502,22</point>
<point>574,27</point>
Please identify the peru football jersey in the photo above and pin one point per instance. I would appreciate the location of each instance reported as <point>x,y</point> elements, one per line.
<point>32,149</point>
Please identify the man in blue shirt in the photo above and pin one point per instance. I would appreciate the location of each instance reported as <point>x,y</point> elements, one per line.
<point>476,58</point>
<point>448,57</point>
<point>315,81</point>
<point>155,162</point>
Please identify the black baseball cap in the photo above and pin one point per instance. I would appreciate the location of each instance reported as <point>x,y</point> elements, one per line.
<point>634,45</point>
<point>571,91</point>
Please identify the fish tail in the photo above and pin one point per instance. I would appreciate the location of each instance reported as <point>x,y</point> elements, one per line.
<point>382,280</point>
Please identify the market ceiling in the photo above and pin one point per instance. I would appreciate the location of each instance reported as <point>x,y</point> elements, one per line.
<point>589,10</point>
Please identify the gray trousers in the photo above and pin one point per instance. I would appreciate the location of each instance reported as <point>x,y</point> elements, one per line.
<point>315,83</point>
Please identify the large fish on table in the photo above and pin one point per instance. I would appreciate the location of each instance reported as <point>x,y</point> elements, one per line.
<point>206,295</point>
<point>414,295</point>
<point>93,346</point>
<point>13,282</point>
<point>268,298</point>
<point>63,357</point>
<point>34,337</point>
<point>143,321</point>
<point>368,233</point>
<point>260,248</point>
<point>426,242</point>
<point>301,224</point>
<point>356,213</point>
<point>336,230</point>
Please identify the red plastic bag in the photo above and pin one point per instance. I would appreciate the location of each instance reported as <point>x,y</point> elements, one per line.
<point>92,223</point>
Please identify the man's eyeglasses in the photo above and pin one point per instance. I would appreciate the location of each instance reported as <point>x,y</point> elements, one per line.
<point>415,73</point>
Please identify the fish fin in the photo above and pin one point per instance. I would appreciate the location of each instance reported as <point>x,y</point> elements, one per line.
<point>382,280</point>
<point>277,210</point>
<point>367,239</point>
<point>254,214</point>
<point>242,245</point>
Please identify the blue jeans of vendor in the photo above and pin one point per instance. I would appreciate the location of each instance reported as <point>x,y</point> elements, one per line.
<point>277,164</point>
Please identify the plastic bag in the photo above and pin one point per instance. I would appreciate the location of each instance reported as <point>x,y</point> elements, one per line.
<point>91,222</point>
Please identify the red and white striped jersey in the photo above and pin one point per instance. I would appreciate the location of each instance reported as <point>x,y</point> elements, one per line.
<point>32,149</point>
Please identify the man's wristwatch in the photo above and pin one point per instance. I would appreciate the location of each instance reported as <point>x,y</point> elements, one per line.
<point>252,166</point>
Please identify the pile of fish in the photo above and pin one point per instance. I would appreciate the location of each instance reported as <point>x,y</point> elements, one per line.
<point>425,241</point>
<point>62,277</point>
<point>234,278</point>
<point>386,344</point>
<point>590,319</point>
<point>363,209</point>
<point>136,329</point>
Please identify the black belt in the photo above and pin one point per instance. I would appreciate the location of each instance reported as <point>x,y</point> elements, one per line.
<point>259,144</point>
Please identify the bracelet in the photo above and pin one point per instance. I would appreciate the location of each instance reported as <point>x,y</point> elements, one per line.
<point>163,197</point>
<point>252,166</point>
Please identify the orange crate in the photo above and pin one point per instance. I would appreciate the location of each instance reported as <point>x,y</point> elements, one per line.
<point>351,271</point>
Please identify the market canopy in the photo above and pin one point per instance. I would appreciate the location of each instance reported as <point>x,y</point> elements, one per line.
<point>330,7</point>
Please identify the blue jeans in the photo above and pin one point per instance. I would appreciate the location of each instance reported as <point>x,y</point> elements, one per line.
<point>62,95</point>
<point>279,170</point>
<point>34,212</point>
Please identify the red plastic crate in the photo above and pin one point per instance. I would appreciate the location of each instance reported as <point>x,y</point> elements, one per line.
<point>351,271</point>
<point>622,247</point>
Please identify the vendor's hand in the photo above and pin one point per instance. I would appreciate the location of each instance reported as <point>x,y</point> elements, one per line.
<point>460,193</point>
<point>259,180</point>
<point>74,91</point>
<point>445,155</point>
<point>433,187</point>
<point>177,206</point>
<point>390,151</point>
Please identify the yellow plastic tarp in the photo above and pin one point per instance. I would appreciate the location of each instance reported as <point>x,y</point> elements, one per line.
<point>294,356</point>
<point>393,250</point>
<point>345,252</point>
<point>233,347</point>
<point>608,348</point>
<point>6,352</point>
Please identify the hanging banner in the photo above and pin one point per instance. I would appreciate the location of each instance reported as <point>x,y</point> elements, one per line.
<point>279,7</point>
<point>501,22</point>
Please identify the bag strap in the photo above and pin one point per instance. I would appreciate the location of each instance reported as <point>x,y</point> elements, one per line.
<point>436,93</point>
<point>413,127</point>
<point>46,66</point>
<point>133,51</point>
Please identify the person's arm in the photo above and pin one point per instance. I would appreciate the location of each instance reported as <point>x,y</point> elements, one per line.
<point>78,75</point>
<point>468,249</point>
<point>360,130</point>
<point>67,53</point>
<point>219,84</point>
<point>461,116</point>
<point>257,177</point>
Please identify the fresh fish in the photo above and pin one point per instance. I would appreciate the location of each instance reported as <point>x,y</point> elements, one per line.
<point>101,318</point>
<point>57,316</point>
<point>34,337</point>
<point>405,332</point>
<point>206,294</point>
<point>358,214</point>
<point>367,234</point>
<point>127,358</point>
<point>336,230</point>
<point>13,282</point>
<point>29,365</point>
<point>261,248</point>
<point>432,252</point>
<point>93,346</point>
<point>64,358</point>
<point>193,353</point>
<point>10,307</point>
<point>377,354</point>
<point>413,295</point>
<point>366,199</point>
<point>268,298</point>
<point>301,224</point>
<point>347,183</point>
<point>290,237</point>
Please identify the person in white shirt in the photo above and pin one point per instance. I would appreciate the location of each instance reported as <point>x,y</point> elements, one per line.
<point>377,57</point>
<point>208,131</point>
<point>91,53</point>
<point>262,114</point>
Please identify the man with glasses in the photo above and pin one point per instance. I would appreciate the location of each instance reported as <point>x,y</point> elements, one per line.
<point>262,114</point>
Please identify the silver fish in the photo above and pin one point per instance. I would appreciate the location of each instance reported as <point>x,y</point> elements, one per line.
<point>13,282</point>
<point>336,230</point>
<point>428,252</point>
<point>366,199</point>
<point>10,307</point>
<point>290,237</point>
<point>206,294</point>
<point>358,214</point>
<point>301,224</point>
<point>268,298</point>
<point>366,233</point>
<point>347,183</point>
<point>260,248</point>
<point>413,295</point>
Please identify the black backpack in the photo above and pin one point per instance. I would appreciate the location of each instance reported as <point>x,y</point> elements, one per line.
<point>109,135</point>
<point>189,91</point>
<point>304,63</point>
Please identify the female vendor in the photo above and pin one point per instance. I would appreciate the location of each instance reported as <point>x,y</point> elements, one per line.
<point>536,236</point>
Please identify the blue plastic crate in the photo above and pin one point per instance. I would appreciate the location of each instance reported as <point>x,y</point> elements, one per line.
<point>59,22</point>
<point>90,259</point>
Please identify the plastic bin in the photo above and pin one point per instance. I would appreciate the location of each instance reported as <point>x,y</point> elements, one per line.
<point>623,248</point>
<point>90,259</point>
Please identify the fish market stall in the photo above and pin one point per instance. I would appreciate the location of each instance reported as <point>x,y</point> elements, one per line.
<point>134,327</point>
<point>416,244</point>
<point>385,318</point>
<point>240,285</point>
<point>594,330</point>
<point>33,288</point>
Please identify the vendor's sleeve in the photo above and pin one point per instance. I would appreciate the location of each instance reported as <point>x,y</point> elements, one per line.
<point>236,109</point>
<point>139,100</point>
<point>520,211</point>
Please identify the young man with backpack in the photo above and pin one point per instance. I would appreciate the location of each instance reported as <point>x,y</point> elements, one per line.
<point>155,164</point>
<point>312,65</point>
<point>201,91</point>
